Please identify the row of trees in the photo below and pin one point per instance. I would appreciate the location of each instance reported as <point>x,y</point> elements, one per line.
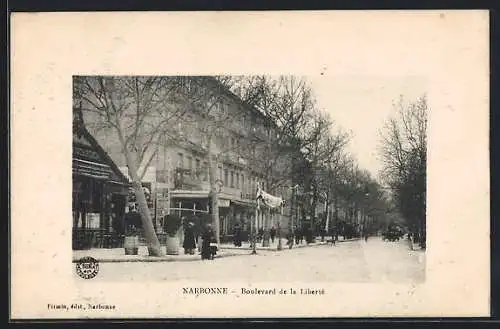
<point>313,154</point>
<point>299,146</point>
<point>404,154</point>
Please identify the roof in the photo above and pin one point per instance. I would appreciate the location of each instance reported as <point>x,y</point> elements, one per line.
<point>80,129</point>
<point>240,102</point>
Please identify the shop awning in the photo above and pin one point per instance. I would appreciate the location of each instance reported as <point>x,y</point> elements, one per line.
<point>91,169</point>
<point>244,203</point>
<point>187,194</point>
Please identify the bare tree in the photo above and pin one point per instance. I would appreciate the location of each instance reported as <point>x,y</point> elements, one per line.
<point>288,104</point>
<point>404,152</point>
<point>138,112</point>
<point>222,129</point>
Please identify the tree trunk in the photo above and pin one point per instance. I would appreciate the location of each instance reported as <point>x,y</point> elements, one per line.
<point>213,191</point>
<point>154,247</point>
<point>422,233</point>
<point>336,218</point>
<point>265,224</point>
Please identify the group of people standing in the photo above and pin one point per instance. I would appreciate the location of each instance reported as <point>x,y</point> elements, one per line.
<point>208,243</point>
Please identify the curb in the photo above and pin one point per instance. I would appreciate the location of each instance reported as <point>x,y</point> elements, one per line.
<point>150,259</point>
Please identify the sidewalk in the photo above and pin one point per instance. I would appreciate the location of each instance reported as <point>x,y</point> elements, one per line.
<point>274,246</point>
<point>117,255</point>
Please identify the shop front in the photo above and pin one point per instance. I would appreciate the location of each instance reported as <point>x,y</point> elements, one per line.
<point>242,215</point>
<point>99,193</point>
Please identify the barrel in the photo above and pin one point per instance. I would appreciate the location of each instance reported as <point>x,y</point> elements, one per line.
<point>173,245</point>
<point>131,245</point>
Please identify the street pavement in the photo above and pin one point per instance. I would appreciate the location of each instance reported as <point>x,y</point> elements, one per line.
<point>350,261</point>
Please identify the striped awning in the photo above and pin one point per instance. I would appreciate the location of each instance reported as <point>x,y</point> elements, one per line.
<point>188,194</point>
<point>91,169</point>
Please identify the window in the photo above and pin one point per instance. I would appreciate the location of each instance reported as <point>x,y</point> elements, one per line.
<point>220,173</point>
<point>198,173</point>
<point>237,180</point>
<point>232,178</point>
<point>236,145</point>
<point>243,183</point>
<point>226,177</point>
<point>190,163</point>
<point>205,171</point>
<point>180,162</point>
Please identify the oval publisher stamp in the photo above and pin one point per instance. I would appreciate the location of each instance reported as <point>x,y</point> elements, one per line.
<point>87,267</point>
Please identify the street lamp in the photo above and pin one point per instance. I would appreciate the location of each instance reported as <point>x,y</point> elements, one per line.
<point>253,227</point>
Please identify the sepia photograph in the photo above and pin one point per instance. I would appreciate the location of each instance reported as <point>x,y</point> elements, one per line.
<point>279,177</point>
<point>249,165</point>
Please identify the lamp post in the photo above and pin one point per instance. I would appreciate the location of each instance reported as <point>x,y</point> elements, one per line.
<point>218,189</point>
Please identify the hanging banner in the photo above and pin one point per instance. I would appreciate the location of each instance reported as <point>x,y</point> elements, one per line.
<point>269,200</point>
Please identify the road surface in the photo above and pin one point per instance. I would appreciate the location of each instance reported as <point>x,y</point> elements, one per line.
<point>353,261</point>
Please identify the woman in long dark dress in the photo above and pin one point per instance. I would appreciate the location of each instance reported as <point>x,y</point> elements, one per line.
<point>208,238</point>
<point>189,244</point>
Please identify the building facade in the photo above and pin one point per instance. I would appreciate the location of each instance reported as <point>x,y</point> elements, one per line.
<point>241,141</point>
<point>99,192</point>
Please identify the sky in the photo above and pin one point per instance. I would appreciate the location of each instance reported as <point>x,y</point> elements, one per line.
<point>361,106</point>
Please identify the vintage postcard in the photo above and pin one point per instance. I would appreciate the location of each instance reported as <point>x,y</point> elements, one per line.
<point>249,164</point>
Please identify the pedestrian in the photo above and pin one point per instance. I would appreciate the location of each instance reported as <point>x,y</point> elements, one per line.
<point>133,221</point>
<point>207,249</point>
<point>237,235</point>
<point>272,232</point>
<point>290,238</point>
<point>297,235</point>
<point>189,243</point>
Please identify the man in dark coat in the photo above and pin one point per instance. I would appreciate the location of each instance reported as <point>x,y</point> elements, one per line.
<point>273,234</point>
<point>207,251</point>
<point>189,243</point>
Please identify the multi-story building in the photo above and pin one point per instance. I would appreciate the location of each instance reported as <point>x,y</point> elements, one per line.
<point>239,146</point>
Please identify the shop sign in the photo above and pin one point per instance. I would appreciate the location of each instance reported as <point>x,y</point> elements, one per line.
<point>85,153</point>
<point>223,203</point>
